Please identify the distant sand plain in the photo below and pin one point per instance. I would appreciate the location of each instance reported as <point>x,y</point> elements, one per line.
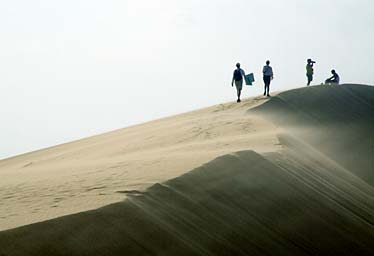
<point>291,175</point>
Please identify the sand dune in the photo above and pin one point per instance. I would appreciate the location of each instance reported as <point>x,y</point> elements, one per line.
<point>90,173</point>
<point>300,183</point>
<point>338,120</point>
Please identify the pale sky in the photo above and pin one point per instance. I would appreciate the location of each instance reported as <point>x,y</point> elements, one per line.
<point>75,68</point>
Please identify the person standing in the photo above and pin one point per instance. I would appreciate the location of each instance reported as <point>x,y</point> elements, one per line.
<point>309,71</point>
<point>268,76</point>
<point>238,79</point>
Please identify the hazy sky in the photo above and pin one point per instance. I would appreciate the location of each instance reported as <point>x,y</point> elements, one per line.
<point>74,68</point>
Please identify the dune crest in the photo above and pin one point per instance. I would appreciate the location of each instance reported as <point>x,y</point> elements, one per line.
<point>338,120</point>
<point>299,190</point>
<point>90,173</point>
<point>237,204</point>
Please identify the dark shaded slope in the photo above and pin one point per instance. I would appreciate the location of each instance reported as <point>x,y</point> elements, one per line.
<point>238,204</point>
<point>337,120</point>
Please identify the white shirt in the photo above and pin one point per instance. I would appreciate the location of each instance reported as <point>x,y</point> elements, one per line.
<point>267,70</point>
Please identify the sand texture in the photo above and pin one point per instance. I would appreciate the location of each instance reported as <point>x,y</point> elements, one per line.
<point>97,171</point>
<point>293,175</point>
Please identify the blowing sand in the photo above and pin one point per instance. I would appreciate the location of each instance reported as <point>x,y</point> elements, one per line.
<point>94,172</point>
<point>292,175</point>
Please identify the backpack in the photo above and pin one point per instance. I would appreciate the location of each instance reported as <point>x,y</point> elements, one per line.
<point>237,75</point>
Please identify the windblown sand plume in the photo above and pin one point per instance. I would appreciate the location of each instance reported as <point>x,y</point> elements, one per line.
<point>292,175</point>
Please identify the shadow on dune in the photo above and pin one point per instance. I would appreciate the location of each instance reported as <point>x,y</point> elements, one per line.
<point>337,120</point>
<point>240,204</point>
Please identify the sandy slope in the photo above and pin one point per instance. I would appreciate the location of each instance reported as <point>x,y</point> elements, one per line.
<point>300,185</point>
<point>259,207</point>
<point>90,173</point>
<point>337,120</point>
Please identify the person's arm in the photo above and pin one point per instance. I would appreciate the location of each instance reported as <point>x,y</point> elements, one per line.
<point>264,70</point>
<point>272,74</point>
<point>233,78</point>
<point>243,73</point>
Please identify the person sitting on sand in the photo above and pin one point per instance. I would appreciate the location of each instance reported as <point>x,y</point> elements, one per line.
<point>309,71</point>
<point>268,76</point>
<point>335,79</point>
<point>238,78</point>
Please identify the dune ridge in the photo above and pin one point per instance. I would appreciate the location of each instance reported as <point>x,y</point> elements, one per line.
<point>307,190</point>
<point>338,120</point>
<point>90,173</point>
<point>255,208</point>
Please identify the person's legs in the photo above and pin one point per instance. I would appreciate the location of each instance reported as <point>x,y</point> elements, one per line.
<point>268,88</point>
<point>310,79</point>
<point>267,80</point>
<point>264,85</point>
<point>239,86</point>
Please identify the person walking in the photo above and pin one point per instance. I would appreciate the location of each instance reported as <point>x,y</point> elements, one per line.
<point>335,79</point>
<point>309,71</point>
<point>238,79</point>
<point>268,76</point>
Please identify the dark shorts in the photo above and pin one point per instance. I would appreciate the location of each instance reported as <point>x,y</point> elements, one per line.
<point>310,78</point>
<point>239,85</point>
